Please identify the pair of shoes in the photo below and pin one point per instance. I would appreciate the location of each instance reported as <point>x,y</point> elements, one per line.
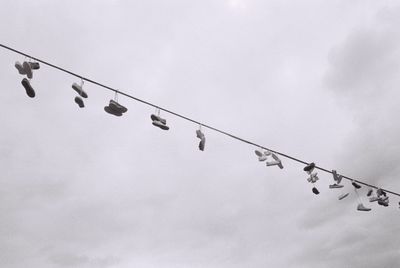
<point>335,186</point>
<point>25,68</point>
<point>79,90</point>
<point>115,108</point>
<point>336,177</point>
<point>343,196</point>
<point>276,162</point>
<point>309,168</point>
<point>159,122</point>
<point>313,177</point>
<point>28,88</point>
<point>202,138</point>
<point>361,207</point>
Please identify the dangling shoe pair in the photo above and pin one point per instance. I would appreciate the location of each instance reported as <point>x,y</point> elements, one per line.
<point>115,108</point>
<point>202,138</point>
<point>26,68</point>
<point>337,178</point>
<point>81,92</point>
<point>313,177</point>
<point>276,162</point>
<point>159,122</point>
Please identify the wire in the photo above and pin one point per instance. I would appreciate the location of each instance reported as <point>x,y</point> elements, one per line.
<point>186,118</point>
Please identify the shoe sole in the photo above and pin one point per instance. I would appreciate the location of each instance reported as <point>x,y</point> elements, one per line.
<point>28,88</point>
<point>79,101</point>
<point>111,111</point>
<point>79,90</point>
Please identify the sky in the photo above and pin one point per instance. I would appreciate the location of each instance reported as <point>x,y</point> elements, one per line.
<point>313,79</point>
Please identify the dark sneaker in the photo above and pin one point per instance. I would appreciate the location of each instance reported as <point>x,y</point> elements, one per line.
<point>34,65</point>
<point>361,207</point>
<point>158,118</point>
<point>200,135</point>
<point>315,190</point>
<point>117,107</point>
<point>356,185</point>
<point>111,111</point>
<point>79,101</point>
<point>79,90</point>
<point>28,70</point>
<point>309,168</point>
<point>28,88</point>
<point>380,192</point>
<point>369,193</point>
<point>20,68</point>
<point>336,177</point>
<point>202,144</point>
<point>160,125</point>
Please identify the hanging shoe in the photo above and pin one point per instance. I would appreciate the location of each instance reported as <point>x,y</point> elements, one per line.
<point>356,185</point>
<point>343,196</point>
<point>200,135</point>
<point>202,144</point>
<point>79,101</point>
<point>28,88</point>
<point>117,107</point>
<point>361,207</point>
<point>160,125</point>
<point>79,90</point>
<point>373,199</point>
<point>34,65</point>
<point>309,168</point>
<point>335,186</point>
<point>315,190</point>
<point>336,177</point>
<point>313,177</point>
<point>20,68</point>
<point>28,70</point>
<point>380,192</point>
<point>158,118</point>
<point>370,191</point>
<point>112,111</point>
<point>276,158</point>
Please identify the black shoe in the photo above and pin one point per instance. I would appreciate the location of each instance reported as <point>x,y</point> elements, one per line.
<point>202,144</point>
<point>111,111</point>
<point>315,190</point>
<point>34,65</point>
<point>29,90</point>
<point>79,101</point>
<point>356,185</point>
<point>309,167</point>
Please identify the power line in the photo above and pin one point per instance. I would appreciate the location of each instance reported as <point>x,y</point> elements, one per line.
<point>187,118</point>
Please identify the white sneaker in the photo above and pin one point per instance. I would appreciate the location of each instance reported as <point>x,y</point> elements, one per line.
<point>336,177</point>
<point>335,186</point>
<point>277,160</point>
<point>361,207</point>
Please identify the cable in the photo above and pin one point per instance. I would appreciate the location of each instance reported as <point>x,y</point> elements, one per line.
<point>185,117</point>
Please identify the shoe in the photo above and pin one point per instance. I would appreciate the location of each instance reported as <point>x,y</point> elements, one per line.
<point>79,90</point>
<point>315,190</point>
<point>309,168</point>
<point>356,185</point>
<point>313,177</point>
<point>336,177</point>
<point>261,155</point>
<point>383,203</point>
<point>34,65</point>
<point>28,88</point>
<point>117,107</point>
<point>380,192</point>
<point>202,144</point>
<point>361,207</point>
<point>160,125</point>
<point>369,193</point>
<point>28,70</point>
<point>20,68</point>
<point>335,186</point>
<point>279,162</point>
<point>200,135</point>
<point>112,111</point>
<point>343,196</point>
<point>158,118</point>
<point>79,101</point>
<point>373,199</point>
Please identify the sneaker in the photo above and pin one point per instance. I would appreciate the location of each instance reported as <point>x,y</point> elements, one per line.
<point>309,168</point>
<point>383,203</point>
<point>28,88</point>
<point>335,186</point>
<point>369,193</point>
<point>343,196</point>
<point>117,107</point>
<point>356,185</point>
<point>313,177</point>
<point>79,101</point>
<point>34,65</point>
<point>20,68</point>
<point>315,190</point>
<point>361,207</point>
<point>202,144</point>
<point>112,111</point>
<point>158,118</point>
<point>200,135</point>
<point>28,70</point>
<point>276,158</point>
<point>373,199</point>
<point>160,125</point>
<point>380,192</point>
<point>79,90</point>
<point>336,177</point>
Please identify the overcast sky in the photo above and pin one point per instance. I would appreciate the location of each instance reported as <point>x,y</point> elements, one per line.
<point>318,80</point>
